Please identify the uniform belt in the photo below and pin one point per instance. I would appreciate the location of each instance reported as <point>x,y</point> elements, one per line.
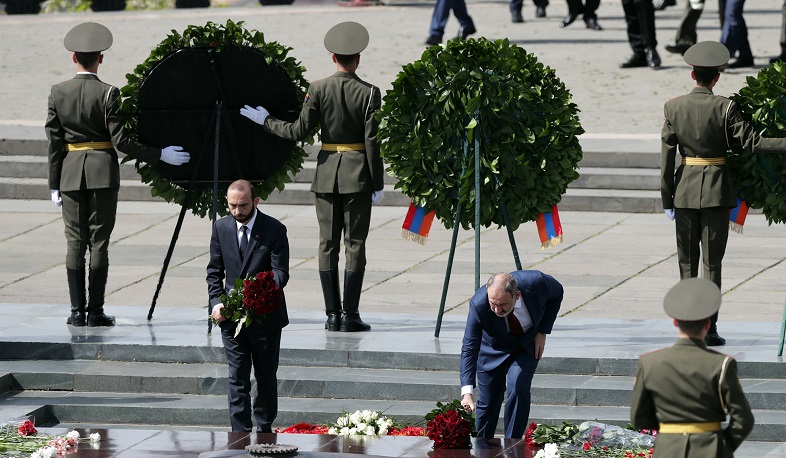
<point>689,428</point>
<point>343,147</point>
<point>703,161</point>
<point>89,145</point>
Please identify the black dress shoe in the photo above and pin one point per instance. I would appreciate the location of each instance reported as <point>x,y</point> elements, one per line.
<point>653,59</point>
<point>741,63</point>
<point>463,32</point>
<point>568,20</point>
<point>592,23</point>
<point>638,59</point>
<point>663,4</point>
<point>540,11</point>
<point>432,40</point>
<point>516,16</point>
<point>712,339</point>
<point>678,48</point>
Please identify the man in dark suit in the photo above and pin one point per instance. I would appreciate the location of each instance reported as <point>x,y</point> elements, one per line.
<point>243,244</point>
<point>702,126</point>
<point>349,175</point>
<point>686,391</point>
<point>504,339</point>
<point>85,129</point>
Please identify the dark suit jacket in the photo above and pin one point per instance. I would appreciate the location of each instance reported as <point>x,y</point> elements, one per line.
<point>344,107</point>
<point>487,343</point>
<point>689,383</point>
<point>268,249</point>
<point>85,109</point>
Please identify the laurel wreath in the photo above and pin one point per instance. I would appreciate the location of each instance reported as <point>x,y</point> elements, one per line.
<point>219,37</point>
<point>518,110</point>
<point>761,178</point>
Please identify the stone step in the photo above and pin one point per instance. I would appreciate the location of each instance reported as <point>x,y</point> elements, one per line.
<point>606,200</point>
<point>335,382</point>
<point>31,354</point>
<point>50,408</point>
<point>27,167</point>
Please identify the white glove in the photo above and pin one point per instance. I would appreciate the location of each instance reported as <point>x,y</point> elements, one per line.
<point>174,155</point>
<point>258,114</point>
<point>669,213</point>
<point>56,199</point>
<point>377,196</point>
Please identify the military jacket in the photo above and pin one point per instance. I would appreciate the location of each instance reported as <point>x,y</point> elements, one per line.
<point>701,124</point>
<point>85,109</point>
<point>343,106</point>
<point>689,383</point>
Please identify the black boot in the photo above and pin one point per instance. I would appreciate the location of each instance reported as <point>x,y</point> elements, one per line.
<point>329,279</point>
<point>713,339</point>
<point>95,306</point>
<point>350,318</point>
<point>76,291</point>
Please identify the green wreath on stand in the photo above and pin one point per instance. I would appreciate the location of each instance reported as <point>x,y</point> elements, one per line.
<point>519,112</point>
<point>761,178</point>
<point>218,38</point>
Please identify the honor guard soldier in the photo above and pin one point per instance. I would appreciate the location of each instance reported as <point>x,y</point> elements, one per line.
<point>349,174</point>
<point>686,391</point>
<point>85,130</point>
<point>698,195</point>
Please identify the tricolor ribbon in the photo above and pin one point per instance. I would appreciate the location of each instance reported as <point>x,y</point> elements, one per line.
<point>737,216</point>
<point>417,224</point>
<point>550,229</point>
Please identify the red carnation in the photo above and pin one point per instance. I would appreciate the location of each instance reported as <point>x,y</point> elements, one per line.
<point>27,428</point>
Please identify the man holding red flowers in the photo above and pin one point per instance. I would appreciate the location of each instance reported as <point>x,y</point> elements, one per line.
<point>504,339</point>
<point>244,244</point>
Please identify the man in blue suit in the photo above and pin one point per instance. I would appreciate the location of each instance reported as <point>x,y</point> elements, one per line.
<point>507,325</point>
<point>246,243</point>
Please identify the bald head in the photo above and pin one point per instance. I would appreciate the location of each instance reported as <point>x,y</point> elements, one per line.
<point>503,292</point>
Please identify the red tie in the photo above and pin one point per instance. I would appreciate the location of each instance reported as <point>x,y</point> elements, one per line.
<point>514,325</point>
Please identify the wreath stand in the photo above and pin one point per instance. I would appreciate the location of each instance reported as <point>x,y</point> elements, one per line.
<point>218,122</point>
<point>473,127</point>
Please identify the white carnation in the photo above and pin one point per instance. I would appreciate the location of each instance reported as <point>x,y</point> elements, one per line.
<point>72,435</point>
<point>95,437</point>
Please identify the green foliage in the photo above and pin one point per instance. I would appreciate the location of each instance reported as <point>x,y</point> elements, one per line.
<point>518,109</point>
<point>761,178</point>
<point>549,434</point>
<point>219,37</point>
<point>61,6</point>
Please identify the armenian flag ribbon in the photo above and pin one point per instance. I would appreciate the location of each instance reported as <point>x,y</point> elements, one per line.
<point>417,224</point>
<point>550,229</point>
<point>737,216</point>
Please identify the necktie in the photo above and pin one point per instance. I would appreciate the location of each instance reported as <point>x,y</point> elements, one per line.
<point>243,240</point>
<point>515,325</point>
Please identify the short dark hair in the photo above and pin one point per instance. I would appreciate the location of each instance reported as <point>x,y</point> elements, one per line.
<point>242,186</point>
<point>346,59</point>
<point>692,328</point>
<point>705,75</point>
<point>87,59</point>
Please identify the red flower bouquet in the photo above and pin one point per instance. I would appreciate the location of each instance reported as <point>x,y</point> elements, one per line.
<point>252,299</point>
<point>407,431</point>
<point>304,428</point>
<point>450,426</point>
<point>27,428</point>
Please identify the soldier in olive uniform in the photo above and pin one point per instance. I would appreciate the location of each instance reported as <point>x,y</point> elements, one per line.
<point>703,126</point>
<point>684,392</point>
<point>85,130</point>
<point>349,174</point>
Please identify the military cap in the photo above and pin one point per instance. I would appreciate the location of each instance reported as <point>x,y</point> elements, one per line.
<point>692,299</point>
<point>88,37</point>
<point>709,54</point>
<point>347,38</point>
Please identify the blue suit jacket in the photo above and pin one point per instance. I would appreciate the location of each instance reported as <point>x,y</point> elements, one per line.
<point>487,343</point>
<point>268,249</point>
